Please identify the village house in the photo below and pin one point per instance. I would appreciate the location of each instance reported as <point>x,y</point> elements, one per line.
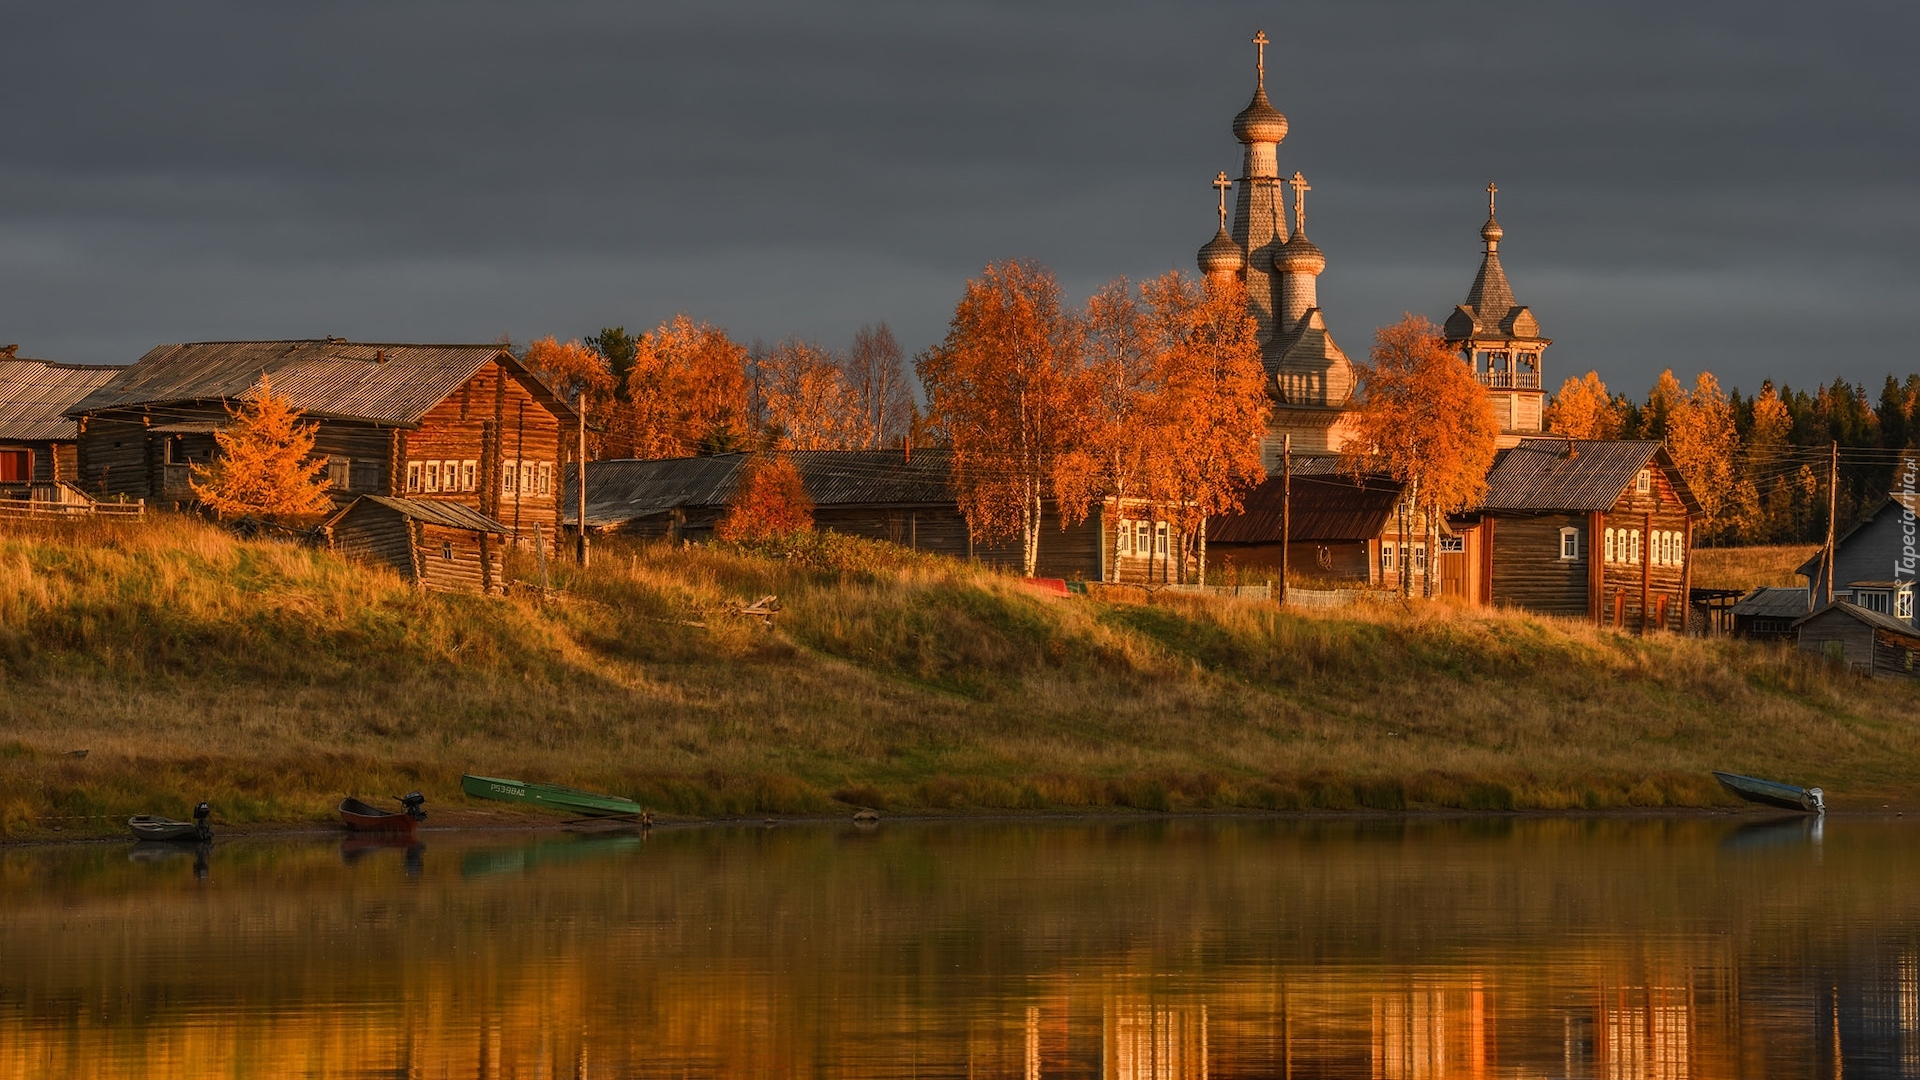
<point>1340,531</point>
<point>1600,530</point>
<point>1874,560</point>
<point>1768,613</point>
<point>434,543</point>
<point>1865,641</point>
<point>38,440</point>
<point>460,424</point>
<point>879,494</point>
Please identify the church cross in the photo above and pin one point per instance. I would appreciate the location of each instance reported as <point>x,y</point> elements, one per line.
<point>1223,184</point>
<point>1491,188</point>
<point>1260,43</point>
<point>1300,189</point>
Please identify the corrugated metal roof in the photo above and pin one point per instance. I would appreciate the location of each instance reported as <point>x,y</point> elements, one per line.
<point>431,511</point>
<point>1871,618</point>
<point>36,394</point>
<point>627,490</point>
<point>1773,602</point>
<point>1325,509</point>
<point>1811,568</point>
<point>391,384</point>
<point>1539,474</point>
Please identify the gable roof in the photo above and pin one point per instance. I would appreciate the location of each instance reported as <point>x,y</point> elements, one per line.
<point>453,515</point>
<point>1773,602</point>
<point>626,490</point>
<point>1539,474</point>
<point>388,384</point>
<point>1325,508</point>
<point>1811,568</point>
<point>36,394</point>
<point>1871,618</point>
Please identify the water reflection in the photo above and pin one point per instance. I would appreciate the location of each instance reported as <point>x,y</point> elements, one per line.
<point>1166,950</point>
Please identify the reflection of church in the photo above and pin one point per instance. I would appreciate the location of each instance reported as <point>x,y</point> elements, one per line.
<point>1310,378</point>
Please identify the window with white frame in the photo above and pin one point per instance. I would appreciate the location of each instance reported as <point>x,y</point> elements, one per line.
<point>1453,545</point>
<point>469,475</point>
<point>1643,482</point>
<point>1140,541</point>
<point>1903,604</point>
<point>413,476</point>
<point>1419,558</point>
<point>1569,544</point>
<point>546,478</point>
<point>1386,557</point>
<point>1159,538</point>
<point>1634,552</point>
<point>509,472</point>
<point>1609,543</point>
<point>433,476</point>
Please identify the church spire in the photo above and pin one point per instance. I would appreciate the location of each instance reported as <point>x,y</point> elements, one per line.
<point>1501,339</point>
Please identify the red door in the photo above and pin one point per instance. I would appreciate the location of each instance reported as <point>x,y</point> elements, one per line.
<point>16,466</point>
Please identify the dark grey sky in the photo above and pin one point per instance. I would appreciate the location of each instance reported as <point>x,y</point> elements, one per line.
<point>1724,185</point>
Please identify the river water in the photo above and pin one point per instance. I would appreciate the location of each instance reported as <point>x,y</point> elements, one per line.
<point>1375,948</point>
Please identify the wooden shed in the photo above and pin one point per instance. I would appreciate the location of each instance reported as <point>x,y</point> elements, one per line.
<point>1768,613</point>
<point>37,439</point>
<point>431,542</point>
<point>1867,642</point>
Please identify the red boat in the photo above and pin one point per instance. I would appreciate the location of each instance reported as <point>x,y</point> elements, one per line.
<point>364,817</point>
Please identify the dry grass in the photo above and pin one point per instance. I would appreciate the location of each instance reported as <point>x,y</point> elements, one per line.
<point>1750,567</point>
<point>272,679</point>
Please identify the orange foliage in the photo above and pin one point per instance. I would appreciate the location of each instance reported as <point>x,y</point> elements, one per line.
<point>686,394</point>
<point>1007,390</point>
<point>1424,420</point>
<point>1583,410</point>
<point>570,369</point>
<point>1704,443</point>
<point>770,502</point>
<point>1212,402</point>
<point>263,467</point>
<point>807,401</point>
<point>1115,454</point>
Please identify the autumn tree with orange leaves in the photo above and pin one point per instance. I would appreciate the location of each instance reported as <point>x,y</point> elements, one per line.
<point>1583,410</point>
<point>1212,405</point>
<point>770,502</point>
<point>1121,374</point>
<point>1425,421</point>
<point>806,402</point>
<point>265,466</point>
<point>1006,389</point>
<point>686,394</point>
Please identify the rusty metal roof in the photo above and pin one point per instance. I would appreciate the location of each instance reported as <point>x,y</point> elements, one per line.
<point>1539,474</point>
<point>453,515</point>
<point>389,384</point>
<point>1773,602</point>
<point>627,490</point>
<point>1325,509</point>
<point>36,394</point>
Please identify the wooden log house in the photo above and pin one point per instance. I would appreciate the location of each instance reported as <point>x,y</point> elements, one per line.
<point>38,442</point>
<point>434,543</point>
<point>462,424</point>
<point>1601,530</point>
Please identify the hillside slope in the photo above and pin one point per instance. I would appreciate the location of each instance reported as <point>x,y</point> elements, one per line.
<point>271,679</point>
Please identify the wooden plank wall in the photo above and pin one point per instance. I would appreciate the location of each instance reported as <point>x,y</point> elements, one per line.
<point>492,419</point>
<point>1528,571</point>
<point>375,534</point>
<point>449,559</point>
<point>112,457</point>
<point>1855,638</point>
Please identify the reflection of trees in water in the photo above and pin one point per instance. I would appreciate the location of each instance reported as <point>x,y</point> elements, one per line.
<point>1390,949</point>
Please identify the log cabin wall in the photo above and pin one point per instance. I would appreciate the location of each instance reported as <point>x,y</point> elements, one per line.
<point>502,448</point>
<point>449,560</point>
<point>1529,570</point>
<point>112,458</point>
<point>374,534</point>
<point>1644,569</point>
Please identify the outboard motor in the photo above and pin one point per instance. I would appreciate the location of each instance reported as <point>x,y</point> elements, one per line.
<point>200,824</point>
<point>412,800</point>
<point>1816,800</point>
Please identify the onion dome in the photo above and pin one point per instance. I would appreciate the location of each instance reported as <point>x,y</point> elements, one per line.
<point>1491,232</point>
<point>1222,256</point>
<point>1259,122</point>
<point>1299,255</point>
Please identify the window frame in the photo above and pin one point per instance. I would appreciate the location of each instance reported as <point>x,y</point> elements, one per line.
<point>1388,558</point>
<point>415,471</point>
<point>1643,482</point>
<point>1160,539</point>
<point>469,475</point>
<point>1569,543</point>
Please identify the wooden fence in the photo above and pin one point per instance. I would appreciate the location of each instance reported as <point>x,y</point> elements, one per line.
<point>36,509</point>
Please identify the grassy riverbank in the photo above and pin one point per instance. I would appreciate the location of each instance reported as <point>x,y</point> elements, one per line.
<point>272,679</point>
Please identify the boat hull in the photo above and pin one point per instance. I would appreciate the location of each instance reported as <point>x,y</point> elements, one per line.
<point>1773,793</point>
<point>360,817</point>
<point>167,830</point>
<point>549,797</point>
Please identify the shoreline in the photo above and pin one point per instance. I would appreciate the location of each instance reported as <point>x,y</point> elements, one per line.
<point>591,826</point>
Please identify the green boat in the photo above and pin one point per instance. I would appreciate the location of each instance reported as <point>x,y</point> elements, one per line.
<point>549,797</point>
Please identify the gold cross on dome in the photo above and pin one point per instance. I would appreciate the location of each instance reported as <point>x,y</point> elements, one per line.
<point>1260,43</point>
<point>1300,189</point>
<point>1221,182</point>
<point>1491,188</point>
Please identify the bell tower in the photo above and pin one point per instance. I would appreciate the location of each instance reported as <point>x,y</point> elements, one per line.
<point>1500,339</point>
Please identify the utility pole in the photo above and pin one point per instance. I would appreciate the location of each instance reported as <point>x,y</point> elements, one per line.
<point>1286,510</point>
<point>580,481</point>
<point>1833,503</point>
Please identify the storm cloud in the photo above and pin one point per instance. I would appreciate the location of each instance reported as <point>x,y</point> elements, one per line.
<point>1707,185</point>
